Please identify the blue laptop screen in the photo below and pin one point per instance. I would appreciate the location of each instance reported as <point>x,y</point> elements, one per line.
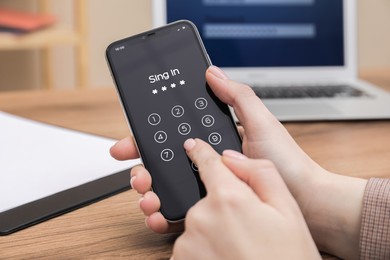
<point>267,33</point>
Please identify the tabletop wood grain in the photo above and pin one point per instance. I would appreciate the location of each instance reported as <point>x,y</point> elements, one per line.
<point>114,228</point>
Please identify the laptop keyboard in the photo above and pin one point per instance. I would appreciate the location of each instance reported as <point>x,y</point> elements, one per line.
<point>328,91</point>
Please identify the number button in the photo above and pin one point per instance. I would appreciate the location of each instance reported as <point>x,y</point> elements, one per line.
<point>160,137</point>
<point>167,155</point>
<point>194,167</point>
<point>208,121</point>
<point>177,111</point>
<point>154,119</point>
<point>201,103</point>
<point>215,138</point>
<point>184,129</point>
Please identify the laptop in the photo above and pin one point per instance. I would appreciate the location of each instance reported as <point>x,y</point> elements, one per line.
<point>300,56</point>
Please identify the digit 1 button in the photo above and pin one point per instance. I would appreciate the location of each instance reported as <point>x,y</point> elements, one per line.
<point>177,111</point>
<point>160,137</point>
<point>167,155</point>
<point>215,138</point>
<point>208,121</point>
<point>201,103</point>
<point>154,119</point>
<point>184,129</point>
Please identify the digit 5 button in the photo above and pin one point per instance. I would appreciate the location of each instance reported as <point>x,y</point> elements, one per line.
<point>184,129</point>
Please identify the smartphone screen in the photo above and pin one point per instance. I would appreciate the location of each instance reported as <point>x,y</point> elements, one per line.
<point>160,77</point>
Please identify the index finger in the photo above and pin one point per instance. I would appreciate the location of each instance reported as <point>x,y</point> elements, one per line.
<point>212,170</point>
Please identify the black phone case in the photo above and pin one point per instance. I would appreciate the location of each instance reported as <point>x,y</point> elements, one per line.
<point>169,107</point>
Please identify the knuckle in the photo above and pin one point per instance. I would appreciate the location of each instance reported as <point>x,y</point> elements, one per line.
<point>178,247</point>
<point>265,167</point>
<point>266,164</point>
<point>207,162</point>
<point>246,94</point>
<point>198,219</point>
<point>229,197</point>
<point>194,216</point>
<point>135,170</point>
<point>246,91</point>
<point>210,160</point>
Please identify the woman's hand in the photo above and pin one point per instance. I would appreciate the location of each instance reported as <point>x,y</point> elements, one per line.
<point>263,138</point>
<point>248,212</point>
<point>141,181</point>
<point>331,203</point>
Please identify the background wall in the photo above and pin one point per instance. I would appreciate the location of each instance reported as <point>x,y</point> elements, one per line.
<point>374,33</point>
<point>111,20</point>
<point>13,64</point>
<point>107,21</point>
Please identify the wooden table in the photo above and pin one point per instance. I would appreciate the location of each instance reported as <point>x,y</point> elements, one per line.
<point>114,227</point>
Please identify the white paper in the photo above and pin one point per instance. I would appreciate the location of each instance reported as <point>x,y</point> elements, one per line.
<point>38,160</point>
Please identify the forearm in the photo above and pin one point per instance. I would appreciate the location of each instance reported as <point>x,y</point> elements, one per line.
<point>333,213</point>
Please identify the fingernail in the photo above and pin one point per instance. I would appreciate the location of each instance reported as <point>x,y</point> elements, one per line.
<point>132,179</point>
<point>111,148</point>
<point>189,144</point>
<point>235,155</point>
<point>140,200</point>
<point>218,72</point>
<point>146,222</point>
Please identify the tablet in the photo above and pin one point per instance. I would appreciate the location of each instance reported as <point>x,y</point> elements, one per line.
<point>46,171</point>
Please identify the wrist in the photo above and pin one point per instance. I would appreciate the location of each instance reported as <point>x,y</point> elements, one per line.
<point>303,180</point>
<point>332,206</point>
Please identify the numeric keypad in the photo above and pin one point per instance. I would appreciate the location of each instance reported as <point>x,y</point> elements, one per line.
<point>177,114</point>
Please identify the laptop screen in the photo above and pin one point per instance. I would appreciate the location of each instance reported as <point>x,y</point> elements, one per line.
<point>267,33</point>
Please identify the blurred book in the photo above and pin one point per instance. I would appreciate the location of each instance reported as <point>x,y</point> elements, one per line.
<point>23,22</point>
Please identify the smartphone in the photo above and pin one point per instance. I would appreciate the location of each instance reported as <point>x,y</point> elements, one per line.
<point>160,78</point>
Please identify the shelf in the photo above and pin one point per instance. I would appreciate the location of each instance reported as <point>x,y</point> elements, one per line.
<point>44,40</point>
<point>39,39</point>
